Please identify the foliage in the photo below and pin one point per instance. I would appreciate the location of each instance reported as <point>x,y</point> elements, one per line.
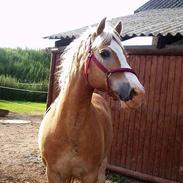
<point>114,177</point>
<point>24,69</point>
<point>10,94</point>
<point>8,81</point>
<point>25,65</point>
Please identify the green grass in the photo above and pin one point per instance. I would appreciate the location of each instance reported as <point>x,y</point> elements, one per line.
<point>23,106</point>
<point>117,178</point>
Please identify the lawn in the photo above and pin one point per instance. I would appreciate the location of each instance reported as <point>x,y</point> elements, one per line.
<point>23,106</point>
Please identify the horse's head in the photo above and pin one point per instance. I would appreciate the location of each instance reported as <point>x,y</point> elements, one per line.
<point>107,68</point>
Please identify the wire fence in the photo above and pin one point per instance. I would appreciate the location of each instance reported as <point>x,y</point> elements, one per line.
<point>22,90</point>
<point>33,84</point>
<point>22,94</point>
<point>6,92</point>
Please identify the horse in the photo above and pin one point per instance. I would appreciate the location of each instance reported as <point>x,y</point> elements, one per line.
<point>76,133</point>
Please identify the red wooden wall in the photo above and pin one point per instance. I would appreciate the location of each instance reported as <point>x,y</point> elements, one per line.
<point>148,142</point>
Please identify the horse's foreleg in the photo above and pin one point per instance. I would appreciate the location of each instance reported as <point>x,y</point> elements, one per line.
<point>53,177</point>
<point>101,173</point>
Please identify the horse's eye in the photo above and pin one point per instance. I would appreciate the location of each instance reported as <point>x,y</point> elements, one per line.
<point>105,53</point>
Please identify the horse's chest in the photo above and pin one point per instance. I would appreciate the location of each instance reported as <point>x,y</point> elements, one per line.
<point>72,164</point>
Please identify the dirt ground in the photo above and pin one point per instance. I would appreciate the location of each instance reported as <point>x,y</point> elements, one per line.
<point>19,156</point>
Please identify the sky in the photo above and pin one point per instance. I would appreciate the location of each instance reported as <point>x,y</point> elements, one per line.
<point>24,23</point>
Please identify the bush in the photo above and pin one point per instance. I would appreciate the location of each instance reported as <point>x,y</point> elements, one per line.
<point>32,92</point>
<point>7,94</point>
<point>27,65</point>
<point>8,81</point>
<point>24,69</point>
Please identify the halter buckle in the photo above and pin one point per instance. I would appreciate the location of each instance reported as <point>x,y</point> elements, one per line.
<point>89,54</point>
<point>108,74</point>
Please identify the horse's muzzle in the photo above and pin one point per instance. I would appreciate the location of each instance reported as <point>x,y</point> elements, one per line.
<point>126,92</point>
<point>135,99</point>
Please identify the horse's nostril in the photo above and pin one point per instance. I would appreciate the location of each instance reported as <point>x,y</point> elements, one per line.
<point>132,94</point>
<point>126,92</point>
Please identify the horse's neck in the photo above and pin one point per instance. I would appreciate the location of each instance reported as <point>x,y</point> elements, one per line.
<point>75,102</point>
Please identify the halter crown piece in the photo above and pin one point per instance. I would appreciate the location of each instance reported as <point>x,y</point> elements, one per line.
<point>107,72</point>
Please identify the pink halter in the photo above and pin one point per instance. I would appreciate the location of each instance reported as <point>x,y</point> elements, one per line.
<point>107,72</point>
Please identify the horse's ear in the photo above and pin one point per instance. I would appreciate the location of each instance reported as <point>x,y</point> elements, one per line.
<point>101,26</point>
<point>118,27</point>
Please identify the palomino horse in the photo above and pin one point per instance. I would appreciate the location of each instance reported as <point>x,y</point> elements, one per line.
<point>76,133</point>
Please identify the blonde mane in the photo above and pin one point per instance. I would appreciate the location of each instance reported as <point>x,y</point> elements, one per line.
<point>70,53</point>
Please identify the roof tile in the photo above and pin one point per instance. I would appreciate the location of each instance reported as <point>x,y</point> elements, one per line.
<point>146,23</point>
<point>160,4</point>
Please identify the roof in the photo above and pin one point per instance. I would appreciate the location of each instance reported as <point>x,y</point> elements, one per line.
<point>146,23</point>
<point>160,4</point>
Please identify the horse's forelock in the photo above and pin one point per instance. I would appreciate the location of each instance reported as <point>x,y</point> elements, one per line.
<point>102,40</point>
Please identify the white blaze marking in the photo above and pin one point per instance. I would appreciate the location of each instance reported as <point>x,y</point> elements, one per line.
<point>130,77</point>
<point>119,52</point>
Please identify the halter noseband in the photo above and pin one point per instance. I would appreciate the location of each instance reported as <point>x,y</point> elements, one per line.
<point>107,72</point>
